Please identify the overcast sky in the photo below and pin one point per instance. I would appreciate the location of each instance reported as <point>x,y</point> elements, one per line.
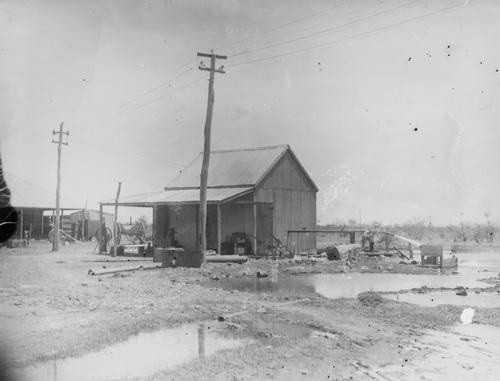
<point>394,120</point>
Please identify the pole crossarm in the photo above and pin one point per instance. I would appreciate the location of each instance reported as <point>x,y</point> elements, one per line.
<point>209,69</point>
<point>209,55</point>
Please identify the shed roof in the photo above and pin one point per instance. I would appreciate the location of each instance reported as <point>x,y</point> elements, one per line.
<point>183,196</point>
<point>25,194</point>
<point>232,173</point>
<point>234,168</point>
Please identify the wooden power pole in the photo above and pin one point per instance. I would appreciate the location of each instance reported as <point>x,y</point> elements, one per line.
<point>115,225</point>
<point>59,142</point>
<point>202,223</point>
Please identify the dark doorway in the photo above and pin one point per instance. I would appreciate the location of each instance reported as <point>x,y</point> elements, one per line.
<point>264,228</point>
<point>211,227</point>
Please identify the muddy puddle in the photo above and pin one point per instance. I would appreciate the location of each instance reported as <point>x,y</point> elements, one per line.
<point>347,285</point>
<point>436,298</point>
<point>471,269</point>
<point>467,352</point>
<point>285,286</point>
<point>350,285</point>
<point>140,356</point>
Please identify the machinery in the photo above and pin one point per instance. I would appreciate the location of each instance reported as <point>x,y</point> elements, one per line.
<point>237,244</point>
<point>135,233</point>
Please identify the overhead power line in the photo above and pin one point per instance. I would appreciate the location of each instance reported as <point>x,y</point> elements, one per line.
<point>325,30</point>
<point>189,66</point>
<point>365,33</point>
<point>175,90</point>
<point>282,26</point>
<point>160,86</point>
<point>124,108</point>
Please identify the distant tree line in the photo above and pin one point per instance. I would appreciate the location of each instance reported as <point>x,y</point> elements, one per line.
<point>479,233</point>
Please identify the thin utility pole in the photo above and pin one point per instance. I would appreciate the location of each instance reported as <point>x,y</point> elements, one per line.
<point>202,223</point>
<point>115,225</point>
<point>83,220</point>
<point>59,142</point>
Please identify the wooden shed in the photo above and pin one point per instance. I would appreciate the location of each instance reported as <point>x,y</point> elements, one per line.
<point>257,193</point>
<point>32,204</point>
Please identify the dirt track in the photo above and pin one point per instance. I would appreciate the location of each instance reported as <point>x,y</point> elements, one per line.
<point>51,308</point>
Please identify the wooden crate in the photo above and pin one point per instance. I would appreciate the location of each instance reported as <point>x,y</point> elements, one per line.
<point>429,254</point>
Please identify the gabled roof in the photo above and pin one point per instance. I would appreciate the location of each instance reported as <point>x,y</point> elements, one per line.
<point>25,194</point>
<point>234,168</point>
<point>232,174</point>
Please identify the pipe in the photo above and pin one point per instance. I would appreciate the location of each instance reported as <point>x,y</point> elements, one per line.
<point>122,269</point>
<point>226,258</point>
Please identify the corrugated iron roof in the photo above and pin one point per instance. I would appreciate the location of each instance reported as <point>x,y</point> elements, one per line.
<point>242,167</point>
<point>181,196</point>
<point>232,173</point>
<point>25,194</point>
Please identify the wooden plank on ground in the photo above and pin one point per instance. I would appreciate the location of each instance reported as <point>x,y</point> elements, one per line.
<point>123,269</point>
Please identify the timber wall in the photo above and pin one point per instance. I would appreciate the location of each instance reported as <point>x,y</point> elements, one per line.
<point>294,201</point>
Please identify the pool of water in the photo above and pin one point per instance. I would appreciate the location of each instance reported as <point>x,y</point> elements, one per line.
<point>479,262</point>
<point>350,285</point>
<point>432,299</point>
<point>285,286</point>
<point>140,356</point>
<point>471,268</point>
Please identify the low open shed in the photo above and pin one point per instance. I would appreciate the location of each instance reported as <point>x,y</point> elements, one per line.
<point>32,204</point>
<point>254,197</point>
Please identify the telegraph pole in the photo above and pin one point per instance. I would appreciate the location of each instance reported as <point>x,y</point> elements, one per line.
<point>59,142</point>
<point>115,224</point>
<point>202,223</point>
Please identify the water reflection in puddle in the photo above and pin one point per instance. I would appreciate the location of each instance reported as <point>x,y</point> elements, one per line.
<point>431,299</point>
<point>285,286</point>
<point>139,356</point>
<point>472,267</point>
<point>347,285</point>
<point>350,285</point>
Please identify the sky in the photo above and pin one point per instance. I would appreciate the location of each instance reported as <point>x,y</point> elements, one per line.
<point>392,106</point>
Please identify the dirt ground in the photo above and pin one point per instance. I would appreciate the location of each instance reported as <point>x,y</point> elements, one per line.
<point>51,308</point>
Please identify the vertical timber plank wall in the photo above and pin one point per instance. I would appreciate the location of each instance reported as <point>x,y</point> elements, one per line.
<point>294,199</point>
